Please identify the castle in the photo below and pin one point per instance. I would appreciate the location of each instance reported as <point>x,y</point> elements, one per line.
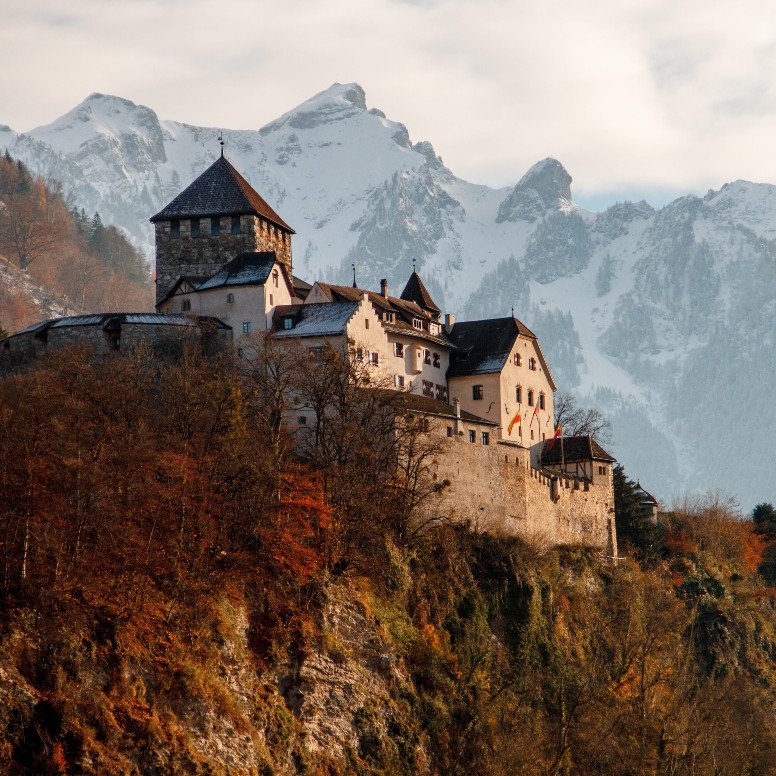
<point>224,273</point>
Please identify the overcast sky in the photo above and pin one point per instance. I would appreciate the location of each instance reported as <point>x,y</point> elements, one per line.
<point>635,97</point>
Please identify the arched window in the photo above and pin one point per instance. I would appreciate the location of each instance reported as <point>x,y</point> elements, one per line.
<point>519,394</point>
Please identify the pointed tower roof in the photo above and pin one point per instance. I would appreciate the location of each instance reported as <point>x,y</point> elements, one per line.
<point>220,191</point>
<point>416,291</point>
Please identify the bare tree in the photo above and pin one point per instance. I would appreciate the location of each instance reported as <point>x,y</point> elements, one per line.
<point>581,421</point>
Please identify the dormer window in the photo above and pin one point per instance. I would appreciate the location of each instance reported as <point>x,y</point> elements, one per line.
<point>175,228</point>
<point>288,322</point>
<point>388,316</point>
<point>417,323</point>
<point>236,225</point>
<point>215,226</point>
<point>195,227</point>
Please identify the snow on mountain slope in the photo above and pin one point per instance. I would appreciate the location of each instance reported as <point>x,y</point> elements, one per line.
<point>661,318</point>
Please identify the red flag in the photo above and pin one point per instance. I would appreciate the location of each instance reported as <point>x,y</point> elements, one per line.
<point>558,432</point>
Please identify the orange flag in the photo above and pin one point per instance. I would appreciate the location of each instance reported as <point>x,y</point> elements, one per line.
<point>558,432</point>
<point>511,425</point>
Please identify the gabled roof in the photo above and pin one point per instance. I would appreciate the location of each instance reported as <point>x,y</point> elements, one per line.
<point>483,347</point>
<point>416,291</point>
<point>220,191</point>
<point>301,287</point>
<point>246,269</point>
<point>574,448</point>
<point>644,496</point>
<point>323,319</point>
<point>193,281</point>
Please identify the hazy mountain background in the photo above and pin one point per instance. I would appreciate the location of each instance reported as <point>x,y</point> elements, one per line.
<point>663,319</point>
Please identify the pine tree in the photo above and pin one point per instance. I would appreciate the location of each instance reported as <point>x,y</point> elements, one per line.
<point>634,527</point>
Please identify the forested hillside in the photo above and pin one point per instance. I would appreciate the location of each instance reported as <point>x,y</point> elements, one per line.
<point>183,593</point>
<point>55,260</point>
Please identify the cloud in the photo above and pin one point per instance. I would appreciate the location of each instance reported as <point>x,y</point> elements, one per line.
<point>630,96</point>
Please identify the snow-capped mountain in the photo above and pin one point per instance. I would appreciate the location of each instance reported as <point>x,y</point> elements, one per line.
<point>663,319</point>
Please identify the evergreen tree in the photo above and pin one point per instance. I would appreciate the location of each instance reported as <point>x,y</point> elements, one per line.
<point>764,519</point>
<point>634,528</point>
<point>3,332</point>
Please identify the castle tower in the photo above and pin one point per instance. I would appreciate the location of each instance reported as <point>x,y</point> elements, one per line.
<point>213,220</point>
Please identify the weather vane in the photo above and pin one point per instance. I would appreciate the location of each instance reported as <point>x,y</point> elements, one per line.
<point>354,275</point>
<point>413,264</point>
<point>221,141</point>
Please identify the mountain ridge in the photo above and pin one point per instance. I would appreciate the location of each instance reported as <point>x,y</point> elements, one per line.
<point>630,302</point>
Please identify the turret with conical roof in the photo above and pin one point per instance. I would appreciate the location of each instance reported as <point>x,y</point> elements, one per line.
<point>215,218</point>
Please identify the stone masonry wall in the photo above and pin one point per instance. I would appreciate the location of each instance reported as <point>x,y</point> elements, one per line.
<point>204,255</point>
<point>495,488</point>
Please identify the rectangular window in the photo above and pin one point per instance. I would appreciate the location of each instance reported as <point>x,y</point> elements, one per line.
<point>517,359</point>
<point>375,358</point>
<point>215,226</point>
<point>473,437</point>
<point>449,431</point>
<point>541,401</point>
<point>186,305</point>
<point>175,228</point>
<point>317,352</point>
<point>388,317</point>
<point>359,354</point>
<point>485,438</point>
<point>271,300</point>
<point>366,323</point>
<point>417,323</point>
<point>426,356</point>
<point>436,360</point>
<point>275,277</point>
<point>302,420</point>
<point>428,388</point>
<point>398,349</point>
<point>236,225</point>
<point>519,395</point>
<point>476,392</point>
<point>441,392</point>
<point>239,352</point>
<point>288,322</point>
<point>530,398</point>
<point>246,327</point>
<point>400,381</point>
<point>532,364</point>
<point>195,227</point>
<point>230,298</point>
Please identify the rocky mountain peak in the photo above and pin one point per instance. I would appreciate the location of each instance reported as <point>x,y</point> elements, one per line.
<point>549,179</point>
<point>545,185</point>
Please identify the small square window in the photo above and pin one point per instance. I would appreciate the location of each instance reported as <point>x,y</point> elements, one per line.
<point>195,227</point>
<point>236,225</point>
<point>302,420</point>
<point>246,327</point>
<point>449,431</point>
<point>215,226</point>
<point>175,228</point>
<point>375,358</point>
<point>230,298</point>
<point>477,392</point>
<point>473,437</point>
<point>400,381</point>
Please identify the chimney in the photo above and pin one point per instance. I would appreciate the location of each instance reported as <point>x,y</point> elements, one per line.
<point>449,322</point>
<point>384,287</point>
<point>457,421</point>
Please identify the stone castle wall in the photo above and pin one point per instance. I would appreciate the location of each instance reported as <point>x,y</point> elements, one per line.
<point>206,254</point>
<point>495,489</point>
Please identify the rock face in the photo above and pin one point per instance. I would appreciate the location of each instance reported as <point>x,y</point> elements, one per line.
<point>544,186</point>
<point>629,303</point>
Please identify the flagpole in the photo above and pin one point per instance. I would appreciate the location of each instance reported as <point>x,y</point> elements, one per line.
<point>562,456</point>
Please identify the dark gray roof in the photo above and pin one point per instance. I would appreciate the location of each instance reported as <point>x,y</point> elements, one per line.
<point>314,320</point>
<point>415,402</point>
<point>219,191</point>
<point>416,291</point>
<point>574,448</point>
<point>113,321</point>
<point>482,347</point>
<point>247,269</point>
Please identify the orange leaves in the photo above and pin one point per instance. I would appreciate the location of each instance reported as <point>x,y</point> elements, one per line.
<point>754,545</point>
